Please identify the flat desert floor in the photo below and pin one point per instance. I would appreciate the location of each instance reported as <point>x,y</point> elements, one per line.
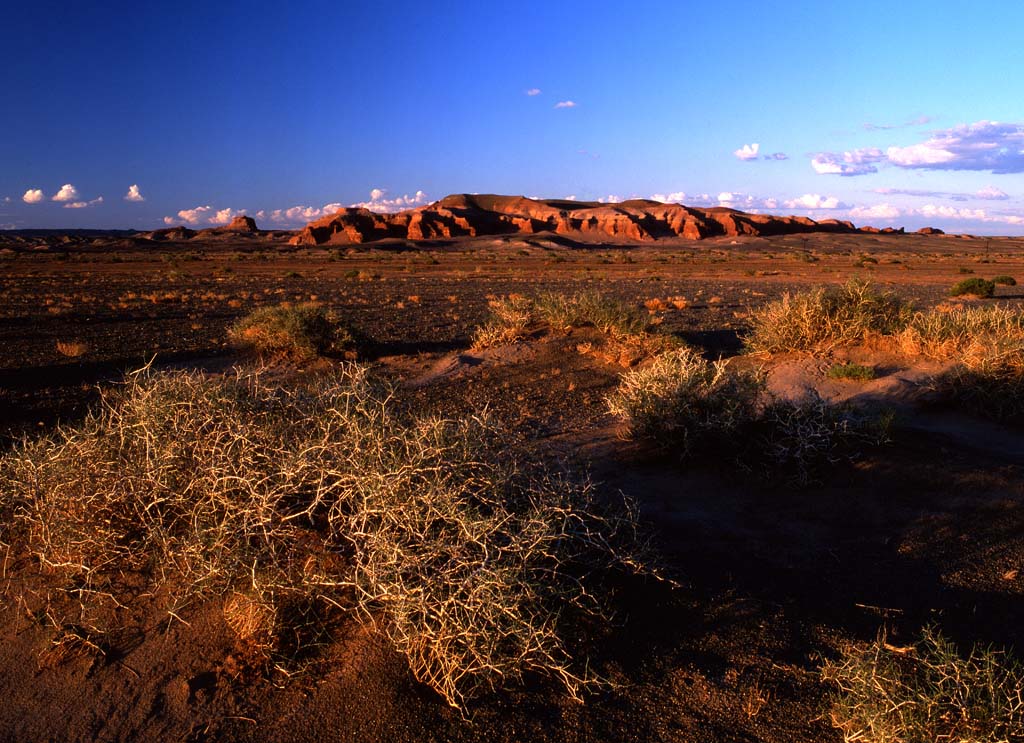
<point>770,579</point>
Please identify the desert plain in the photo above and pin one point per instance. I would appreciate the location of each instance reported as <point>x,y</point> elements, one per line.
<point>760,580</point>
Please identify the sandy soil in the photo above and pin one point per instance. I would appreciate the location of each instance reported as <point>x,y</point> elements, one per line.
<point>773,578</point>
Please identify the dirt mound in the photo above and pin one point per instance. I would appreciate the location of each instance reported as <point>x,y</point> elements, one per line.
<point>465,215</point>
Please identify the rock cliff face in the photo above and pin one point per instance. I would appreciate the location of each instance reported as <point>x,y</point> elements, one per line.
<point>463,215</point>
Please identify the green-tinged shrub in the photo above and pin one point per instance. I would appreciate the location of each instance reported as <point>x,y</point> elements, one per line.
<point>976,287</point>
<point>926,692</point>
<point>1004,280</point>
<point>681,403</point>
<point>824,318</point>
<point>300,332</point>
<point>851,371</point>
<point>684,405</point>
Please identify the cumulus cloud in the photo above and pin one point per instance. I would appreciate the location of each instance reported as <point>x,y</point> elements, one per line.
<point>208,214</point>
<point>191,216</point>
<point>676,197</point>
<point>223,216</point>
<point>67,192</point>
<point>566,104</point>
<point>532,92</point>
<point>33,196</point>
<point>814,201</point>
<point>134,194</point>
<point>747,151</point>
<point>991,193</point>
<point>984,145</point>
<point>876,211</point>
<point>852,162</point>
<point>83,204</point>
<point>745,202</point>
<point>950,212</point>
<point>609,199</point>
<point>380,202</point>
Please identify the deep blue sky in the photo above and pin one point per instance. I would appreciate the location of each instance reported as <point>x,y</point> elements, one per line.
<point>265,107</point>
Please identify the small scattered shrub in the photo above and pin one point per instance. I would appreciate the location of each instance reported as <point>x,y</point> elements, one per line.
<point>926,692</point>
<point>823,318</point>
<point>851,371</point>
<point>973,287</point>
<point>300,332</point>
<point>627,327</point>
<point>1004,280</point>
<point>680,402</point>
<point>684,405</point>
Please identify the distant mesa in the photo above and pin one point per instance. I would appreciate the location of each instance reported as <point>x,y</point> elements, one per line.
<point>465,215</point>
<point>241,223</point>
<point>930,231</point>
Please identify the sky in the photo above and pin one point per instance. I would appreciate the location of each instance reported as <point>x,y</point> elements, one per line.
<point>142,115</point>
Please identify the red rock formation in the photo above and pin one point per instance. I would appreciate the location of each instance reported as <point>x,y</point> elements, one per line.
<point>930,231</point>
<point>241,224</point>
<point>469,215</point>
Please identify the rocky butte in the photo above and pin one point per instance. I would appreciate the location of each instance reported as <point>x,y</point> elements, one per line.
<point>464,215</point>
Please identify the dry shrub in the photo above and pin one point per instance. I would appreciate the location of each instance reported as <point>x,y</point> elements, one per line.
<point>926,692</point>
<point>987,344</point>
<point>630,335</point>
<point>72,349</point>
<point>510,321</point>
<point>319,496</point>
<point>797,440</point>
<point>475,556</point>
<point>826,317</point>
<point>954,332</point>
<point>300,332</point>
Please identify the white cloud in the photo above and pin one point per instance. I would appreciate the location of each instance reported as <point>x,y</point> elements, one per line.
<point>676,197</point>
<point>814,201</point>
<point>67,192</point>
<point>609,199</point>
<point>379,202</point>
<point>570,197</point>
<point>949,212</point>
<point>134,194</point>
<point>746,202</point>
<point>83,204</point>
<point>747,151</point>
<point>984,145</point>
<point>991,193</point>
<point>192,216</point>
<point>532,92</point>
<point>223,216</point>
<point>33,196</point>
<point>876,211</point>
<point>566,104</point>
<point>852,162</point>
